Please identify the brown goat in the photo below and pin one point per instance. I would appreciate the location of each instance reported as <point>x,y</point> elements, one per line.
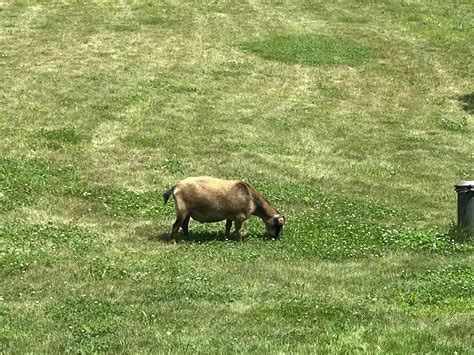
<point>207,199</point>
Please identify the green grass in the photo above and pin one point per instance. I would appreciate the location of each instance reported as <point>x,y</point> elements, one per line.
<point>57,138</point>
<point>309,50</point>
<point>22,181</point>
<point>354,119</point>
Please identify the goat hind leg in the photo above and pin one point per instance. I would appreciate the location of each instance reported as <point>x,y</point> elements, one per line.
<point>174,231</point>
<point>185,225</point>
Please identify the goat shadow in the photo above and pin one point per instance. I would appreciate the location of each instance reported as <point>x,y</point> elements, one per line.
<point>201,237</point>
<point>467,102</point>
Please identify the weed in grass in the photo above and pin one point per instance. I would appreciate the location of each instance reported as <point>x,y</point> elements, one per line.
<point>309,50</point>
<point>101,267</point>
<point>455,126</point>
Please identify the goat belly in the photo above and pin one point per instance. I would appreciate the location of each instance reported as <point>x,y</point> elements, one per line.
<point>207,218</point>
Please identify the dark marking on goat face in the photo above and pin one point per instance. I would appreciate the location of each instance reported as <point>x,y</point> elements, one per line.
<point>278,230</point>
<point>278,223</point>
<point>275,226</point>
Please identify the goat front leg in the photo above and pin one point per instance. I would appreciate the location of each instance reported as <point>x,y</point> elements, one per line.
<point>228,226</point>
<point>238,230</point>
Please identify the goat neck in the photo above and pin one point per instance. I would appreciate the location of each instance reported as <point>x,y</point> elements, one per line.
<point>263,209</point>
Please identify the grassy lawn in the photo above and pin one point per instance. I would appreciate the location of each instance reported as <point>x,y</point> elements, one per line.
<point>354,118</point>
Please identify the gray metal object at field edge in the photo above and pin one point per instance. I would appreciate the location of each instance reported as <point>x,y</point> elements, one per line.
<point>465,190</point>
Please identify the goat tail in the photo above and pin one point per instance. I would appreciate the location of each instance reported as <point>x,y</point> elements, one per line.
<point>167,194</point>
